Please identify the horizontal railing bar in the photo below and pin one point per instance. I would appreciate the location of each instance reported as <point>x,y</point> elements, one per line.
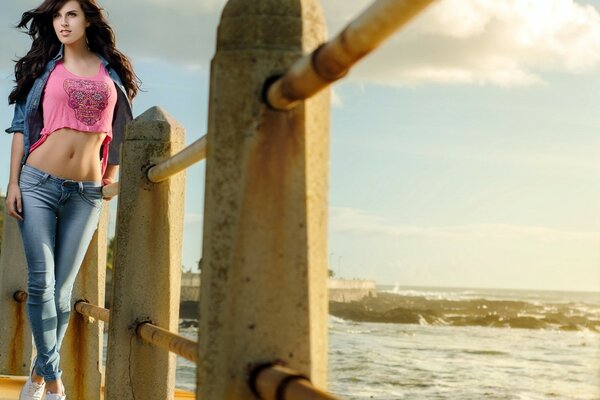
<point>185,158</point>
<point>168,340</point>
<point>276,382</point>
<point>89,310</point>
<point>150,333</point>
<point>334,59</point>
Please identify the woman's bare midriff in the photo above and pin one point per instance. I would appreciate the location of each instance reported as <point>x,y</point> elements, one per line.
<point>70,154</point>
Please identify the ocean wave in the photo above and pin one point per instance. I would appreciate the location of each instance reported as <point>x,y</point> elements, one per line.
<point>423,310</point>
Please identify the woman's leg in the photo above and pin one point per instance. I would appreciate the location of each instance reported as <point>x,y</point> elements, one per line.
<point>38,231</point>
<point>77,222</point>
<point>60,218</point>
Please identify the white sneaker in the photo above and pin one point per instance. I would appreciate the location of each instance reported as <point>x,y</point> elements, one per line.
<point>32,390</point>
<point>54,396</point>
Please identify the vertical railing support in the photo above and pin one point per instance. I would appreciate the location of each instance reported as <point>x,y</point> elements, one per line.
<point>263,294</point>
<point>81,352</point>
<point>16,343</point>
<point>147,267</point>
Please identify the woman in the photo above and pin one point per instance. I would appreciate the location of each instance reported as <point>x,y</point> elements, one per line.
<point>72,101</point>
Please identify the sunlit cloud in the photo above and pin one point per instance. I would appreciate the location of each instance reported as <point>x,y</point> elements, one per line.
<point>353,221</point>
<point>569,157</point>
<point>498,42</point>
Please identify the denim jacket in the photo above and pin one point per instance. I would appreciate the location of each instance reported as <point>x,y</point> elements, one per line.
<point>29,119</point>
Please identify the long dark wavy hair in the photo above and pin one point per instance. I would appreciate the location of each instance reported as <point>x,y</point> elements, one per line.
<point>100,38</point>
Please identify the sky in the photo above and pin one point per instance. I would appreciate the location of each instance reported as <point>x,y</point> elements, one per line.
<point>464,151</point>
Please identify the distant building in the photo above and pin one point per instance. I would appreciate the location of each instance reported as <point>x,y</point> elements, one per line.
<point>190,286</point>
<point>347,290</point>
<point>340,290</point>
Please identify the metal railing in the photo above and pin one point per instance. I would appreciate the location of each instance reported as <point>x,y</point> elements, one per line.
<point>146,331</point>
<point>86,309</point>
<point>189,156</point>
<point>275,382</point>
<point>332,61</point>
<point>269,382</point>
<point>168,341</point>
<point>310,74</point>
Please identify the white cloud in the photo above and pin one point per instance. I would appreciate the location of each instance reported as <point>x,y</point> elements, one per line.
<point>182,32</point>
<point>349,220</point>
<point>498,42</point>
<point>561,157</point>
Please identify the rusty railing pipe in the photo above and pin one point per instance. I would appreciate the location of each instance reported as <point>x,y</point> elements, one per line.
<point>334,59</point>
<point>187,157</point>
<point>168,340</point>
<point>86,309</point>
<point>276,382</point>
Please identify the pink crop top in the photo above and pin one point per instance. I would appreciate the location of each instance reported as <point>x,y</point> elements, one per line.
<point>84,104</point>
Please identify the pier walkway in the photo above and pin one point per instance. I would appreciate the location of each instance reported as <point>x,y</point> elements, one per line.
<point>263,305</point>
<point>10,386</point>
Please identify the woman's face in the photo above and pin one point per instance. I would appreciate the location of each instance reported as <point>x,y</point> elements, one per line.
<point>69,23</point>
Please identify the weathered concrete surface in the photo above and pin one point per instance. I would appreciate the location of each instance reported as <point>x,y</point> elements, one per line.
<point>16,342</point>
<point>81,352</point>
<point>147,267</point>
<point>264,293</point>
<point>345,290</point>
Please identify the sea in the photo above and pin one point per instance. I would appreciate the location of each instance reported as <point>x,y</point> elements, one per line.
<point>453,343</point>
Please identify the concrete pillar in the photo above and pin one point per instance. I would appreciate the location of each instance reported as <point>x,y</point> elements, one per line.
<point>16,341</point>
<point>81,352</point>
<point>147,268</point>
<point>264,278</point>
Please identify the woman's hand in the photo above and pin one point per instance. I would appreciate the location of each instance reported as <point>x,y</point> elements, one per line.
<point>14,206</point>
<point>111,172</point>
<point>106,181</point>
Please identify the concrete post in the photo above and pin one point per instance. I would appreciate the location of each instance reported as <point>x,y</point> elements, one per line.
<point>81,352</point>
<point>16,341</point>
<point>264,279</point>
<point>147,268</point>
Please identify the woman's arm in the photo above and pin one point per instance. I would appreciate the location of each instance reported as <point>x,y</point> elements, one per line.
<point>112,171</point>
<point>13,195</point>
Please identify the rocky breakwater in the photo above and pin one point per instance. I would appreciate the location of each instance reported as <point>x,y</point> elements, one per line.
<point>401,309</point>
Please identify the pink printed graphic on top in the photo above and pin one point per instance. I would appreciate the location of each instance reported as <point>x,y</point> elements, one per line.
<point>87,98</point>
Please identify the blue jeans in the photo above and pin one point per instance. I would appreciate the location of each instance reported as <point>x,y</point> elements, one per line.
<point>60,217</point>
